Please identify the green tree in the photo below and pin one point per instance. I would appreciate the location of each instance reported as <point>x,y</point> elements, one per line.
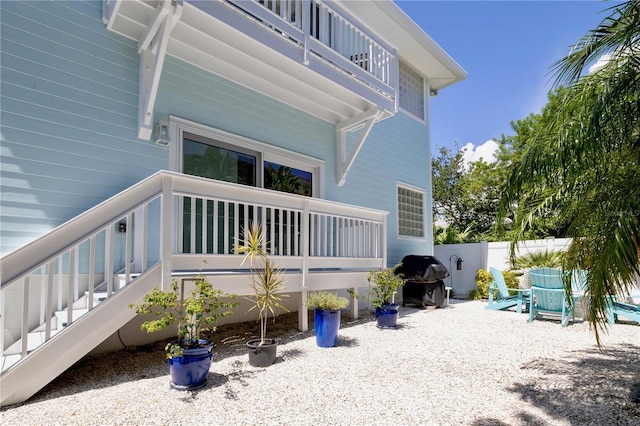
<point>584,163</point>
<point>448,194</point>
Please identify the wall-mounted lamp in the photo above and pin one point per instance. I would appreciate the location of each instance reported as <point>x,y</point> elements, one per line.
<point>433,92</point>
<point>162,134</point>
<point>458,262</point>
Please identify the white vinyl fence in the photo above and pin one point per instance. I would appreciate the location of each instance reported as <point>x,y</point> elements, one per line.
<point>482,255</point>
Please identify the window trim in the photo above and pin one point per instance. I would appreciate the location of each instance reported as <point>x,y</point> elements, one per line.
<point>179,127</point>
<point>422,119</point>
<point>424,211</point>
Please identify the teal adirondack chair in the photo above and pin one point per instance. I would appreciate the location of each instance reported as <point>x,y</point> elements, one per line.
<point>548,296</point>
<point>622,309</point>
<point>505,299</point>
<point>578,287</point>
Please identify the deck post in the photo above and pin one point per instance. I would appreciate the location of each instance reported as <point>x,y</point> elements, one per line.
<point>303,317</point>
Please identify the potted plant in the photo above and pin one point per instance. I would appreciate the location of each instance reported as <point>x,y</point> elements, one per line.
<point>383,285</point>
<point>189,357</point>
<point>326,321</point>
<point>267,284</point>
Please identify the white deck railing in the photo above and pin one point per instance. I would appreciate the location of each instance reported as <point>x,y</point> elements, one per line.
<point>56,279</point>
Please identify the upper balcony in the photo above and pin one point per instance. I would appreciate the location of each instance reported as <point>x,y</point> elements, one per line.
<point>311,54</point>
<point>324,57</point>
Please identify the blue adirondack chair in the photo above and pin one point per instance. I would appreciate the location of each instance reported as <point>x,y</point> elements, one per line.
<point>505,299</point>
<point>548,296</point>
<point>622,309</point>
<point>578,286</point>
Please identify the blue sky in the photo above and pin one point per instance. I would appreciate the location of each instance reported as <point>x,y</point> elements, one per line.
<point>507,48</point>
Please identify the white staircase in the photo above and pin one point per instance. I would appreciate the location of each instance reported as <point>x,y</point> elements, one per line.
<point>95,270</point>
<point>50,359</point>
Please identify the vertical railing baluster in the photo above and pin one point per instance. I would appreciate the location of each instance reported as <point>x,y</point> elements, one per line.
<point>128,241</point>
<point>312,234</point>
<point>92,270</point>
<point>59,286</point>
<point>144,238</point>
<point>245,222</point>
<point>205,228</point>
<point>70,292</point>
<point>43,293</point>
<point>192,224</point>
<point>24,332</point>
<point>215,226</point>
<point>181,218</point>
<point>49,302</point>
<point>109,257</point>
<point>236,225</point>
<point>225,224</point>
<point>281,213</point>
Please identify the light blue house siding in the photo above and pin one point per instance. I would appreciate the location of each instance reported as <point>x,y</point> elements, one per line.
<point>69,125</point>
<point>69,114</point>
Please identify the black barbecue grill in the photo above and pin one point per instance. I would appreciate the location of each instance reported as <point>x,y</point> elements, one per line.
<point>423,280</point>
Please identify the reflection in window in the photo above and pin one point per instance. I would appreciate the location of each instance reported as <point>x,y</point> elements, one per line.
<point>287,179</point>
<point>201,159</point>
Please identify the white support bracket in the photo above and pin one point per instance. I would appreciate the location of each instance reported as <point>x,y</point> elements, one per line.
<point>363,121</point>
<point>110,10</point>
<point>152,48</point>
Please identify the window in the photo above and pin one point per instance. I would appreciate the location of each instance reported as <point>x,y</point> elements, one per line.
<point>410,212</point>
<point>411,97</point>
<point>287,179</point>
<point>207,152</point>
<point>219,162</point>
<point>199,150</point>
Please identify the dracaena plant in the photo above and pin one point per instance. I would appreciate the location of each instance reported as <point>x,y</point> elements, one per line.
<point>267,282</point>
<point>195,314</point>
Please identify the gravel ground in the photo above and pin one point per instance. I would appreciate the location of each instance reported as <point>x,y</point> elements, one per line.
<point>460,365</point>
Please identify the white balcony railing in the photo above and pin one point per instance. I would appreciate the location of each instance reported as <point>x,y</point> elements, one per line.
<point>324,30</point>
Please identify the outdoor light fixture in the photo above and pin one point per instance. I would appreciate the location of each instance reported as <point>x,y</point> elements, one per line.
<point>162,134</point>
<point>458,262</point>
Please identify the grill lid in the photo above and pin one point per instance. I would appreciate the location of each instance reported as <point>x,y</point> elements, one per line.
<point>422,268</point>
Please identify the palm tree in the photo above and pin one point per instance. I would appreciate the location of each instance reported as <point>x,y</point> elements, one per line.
<point>585,160</point>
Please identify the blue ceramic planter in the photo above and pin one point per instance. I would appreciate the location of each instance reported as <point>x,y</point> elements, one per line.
<point>189,372</point>
<point>387,316</point>
<point>327,324</point>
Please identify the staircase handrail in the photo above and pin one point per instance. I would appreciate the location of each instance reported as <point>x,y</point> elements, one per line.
<point>22,261</point>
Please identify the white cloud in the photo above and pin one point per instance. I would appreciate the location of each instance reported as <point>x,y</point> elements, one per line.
<point>600,63</point>
<point>485,151</point>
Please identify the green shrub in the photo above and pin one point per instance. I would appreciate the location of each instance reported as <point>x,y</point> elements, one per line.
<point>326,300</point>
<point>539,259</point>
<point>484,279</point>
<point>474,294</point>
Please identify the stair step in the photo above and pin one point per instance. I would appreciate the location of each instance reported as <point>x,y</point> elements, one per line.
<point>62,316</point>
<point>8,360</point>
<point>34,339</point>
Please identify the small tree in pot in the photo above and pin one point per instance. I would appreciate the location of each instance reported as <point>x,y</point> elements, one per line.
<point>267,284</point>
<point>383,285</point>
<point>189,357</point>
<point>326,316</point>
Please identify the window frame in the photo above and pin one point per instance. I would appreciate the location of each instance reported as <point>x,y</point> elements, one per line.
<point>421,191</point>
<point>423,118</point>
<point>180,128</point>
